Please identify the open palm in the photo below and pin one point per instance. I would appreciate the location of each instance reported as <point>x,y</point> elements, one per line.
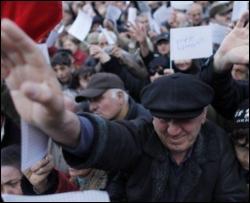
<point>31,81</point>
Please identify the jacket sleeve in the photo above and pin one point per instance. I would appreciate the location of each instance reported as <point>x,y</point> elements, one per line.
<point>115,147</point>
<point>228,92</point>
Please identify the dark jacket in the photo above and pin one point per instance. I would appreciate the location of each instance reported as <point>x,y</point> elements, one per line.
<point>133,84</point>
<point>228,92</point>
<point>211,173</point>
<point>116,185</point>
<point>12,131</point>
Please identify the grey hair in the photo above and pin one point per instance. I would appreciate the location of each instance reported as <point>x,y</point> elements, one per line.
<point>115,91</point>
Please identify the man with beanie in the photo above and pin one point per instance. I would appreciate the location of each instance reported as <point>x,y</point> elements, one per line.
<point>179,156</point>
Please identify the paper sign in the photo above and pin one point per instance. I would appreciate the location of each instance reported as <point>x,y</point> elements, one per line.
<point>44,49</point>
<point>81,26</point>
<point>53,36</point>
<point>113,13</point>
<point>82,196</point>
<point>132,12</point>
<point>181,5</point>
<point>191,43</point>
<point>219,32</point>
<point>162,14</point>
<point>34,145</point>
<point>239,8</point>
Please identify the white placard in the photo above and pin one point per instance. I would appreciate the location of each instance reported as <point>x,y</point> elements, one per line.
<point>113,13</point>
<point>54,34</point>
<point>191,43</point>
<point>81,26</point>
<point>181,5</point>
<point>45,52</point>
<point>132,13</point>
<point>162,14</point>
<point>34,145</point>
<point>219,32</point>
<point>82,196</point>
<point>239,8</point>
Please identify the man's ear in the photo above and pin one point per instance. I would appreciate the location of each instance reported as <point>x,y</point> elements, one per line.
<point>204,115</point>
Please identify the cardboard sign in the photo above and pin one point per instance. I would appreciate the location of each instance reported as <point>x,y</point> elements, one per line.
<point>191,43</point>
<point>81,26</point>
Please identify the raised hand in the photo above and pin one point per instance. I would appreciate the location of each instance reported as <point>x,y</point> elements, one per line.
<point>235,47</point>
<point>33,86</point>
<point>38,174</point>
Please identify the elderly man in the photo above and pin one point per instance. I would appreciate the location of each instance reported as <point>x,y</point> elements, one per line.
<point>177,157</point>
<point>195,15</point>
<point>108,99</point>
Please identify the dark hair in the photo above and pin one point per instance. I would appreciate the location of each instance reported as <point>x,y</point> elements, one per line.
<point>62,57</point>
<point>11,156</point>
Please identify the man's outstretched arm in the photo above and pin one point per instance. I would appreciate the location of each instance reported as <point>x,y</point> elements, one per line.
<point>34,88</point>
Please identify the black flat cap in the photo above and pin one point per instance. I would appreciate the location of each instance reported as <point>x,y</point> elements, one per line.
<point>99,83</point>
<point>178,96</point>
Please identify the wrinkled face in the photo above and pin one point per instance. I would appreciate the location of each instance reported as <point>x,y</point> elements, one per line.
<point>63,73</point>
<point>143,22</point>
<point>10,180</point>
<point>163,47</point>
<point>183,65</point>
<point>107,106</point>
<point>195,15</point>
<point>179,135</point>
<point>68,44</point>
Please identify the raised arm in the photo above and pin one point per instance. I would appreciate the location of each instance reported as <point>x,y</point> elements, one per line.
<point>34,88</point>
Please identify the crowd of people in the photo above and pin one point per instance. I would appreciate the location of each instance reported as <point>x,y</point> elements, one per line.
<point>124,118</point>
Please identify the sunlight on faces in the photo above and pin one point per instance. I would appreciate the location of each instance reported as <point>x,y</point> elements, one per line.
<point>178,135</point>
<point>108,106</point>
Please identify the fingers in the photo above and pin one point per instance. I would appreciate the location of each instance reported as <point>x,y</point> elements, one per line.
<point>43,166</point>
<point>43,94</point>
<point>40,93</point>
<point>20,41</point>
<point>243,20</point>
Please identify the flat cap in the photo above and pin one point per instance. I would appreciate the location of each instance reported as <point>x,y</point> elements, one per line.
<point>99,83</point>
<point>178,96</point>
<point>219,8</point>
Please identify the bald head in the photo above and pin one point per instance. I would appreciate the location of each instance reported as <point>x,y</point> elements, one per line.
<point>195,14</point>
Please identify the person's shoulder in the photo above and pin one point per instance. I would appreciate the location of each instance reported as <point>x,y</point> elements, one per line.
<point>216,138</point>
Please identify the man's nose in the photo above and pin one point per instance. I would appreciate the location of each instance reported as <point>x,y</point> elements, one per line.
<point>173,128</point>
